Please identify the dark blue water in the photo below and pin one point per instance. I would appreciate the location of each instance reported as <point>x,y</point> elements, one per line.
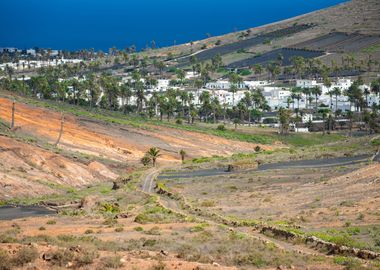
<point>101,24</point>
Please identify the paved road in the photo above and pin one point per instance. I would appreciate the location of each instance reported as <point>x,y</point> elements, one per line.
<point>315,163</point>
<point>12,212</point>
<point>148,184</point>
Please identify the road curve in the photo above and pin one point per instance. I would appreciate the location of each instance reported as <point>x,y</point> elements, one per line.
<point>312,163</point>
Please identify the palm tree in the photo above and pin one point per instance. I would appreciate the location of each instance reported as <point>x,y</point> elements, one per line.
<point>140,95</point>
<point>324,113</point>
<point>336,92</point>
<point>317,92</point>
<point>248,103</point>
<point>296,94</point>
<point>206,104</point>
<point>330,93</point>
<point>145,160</point>
<point>375,87</point>
<point>350,116</point>
<point>153,153</point>
<point>366,92</point>
<point>284,118</point>
<point>233,90</point>
<point>235,79</point>
<point>306,91</point>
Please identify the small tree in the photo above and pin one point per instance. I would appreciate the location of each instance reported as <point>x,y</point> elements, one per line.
<point>153,153</point>
<point>284,118</point>
<point>183,154</point>
<point>145,160</point>
<point>236,122</point>
<point>61,129</point>
<point>13,114</point>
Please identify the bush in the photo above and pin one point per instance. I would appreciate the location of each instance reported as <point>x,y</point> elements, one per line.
<point>61,257</point>
<point>112,262</point>
<point>159,266</point>
<point>86,257</point>
<point>51,222</point>
<point>25,255</point>
<point>5,260</point>
<point>88,231</point>
<point>119,229</point>
<point>153,231</point>
<point>375,142</point>
<point>257,148</point>
<point>208,203</point>
<point>138,229</point>
<point>221,128</point>
<point>178,121</point>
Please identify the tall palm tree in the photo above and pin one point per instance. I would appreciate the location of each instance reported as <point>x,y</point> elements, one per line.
<point>235,80</point>
<point>316,91</point>
<point>153,153</point>
<point>375,87</point>
<point>336,92</point>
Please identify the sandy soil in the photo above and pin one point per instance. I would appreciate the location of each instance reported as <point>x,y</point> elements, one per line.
<point>312,197</point>
<point>25,170</point>
<point>116,142</point>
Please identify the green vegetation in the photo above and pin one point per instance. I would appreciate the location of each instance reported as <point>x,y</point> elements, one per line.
<point>372,49</point>
<point>154,213</point>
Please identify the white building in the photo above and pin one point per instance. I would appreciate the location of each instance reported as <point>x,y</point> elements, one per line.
<point>256,84</point>
<point>223,85</point>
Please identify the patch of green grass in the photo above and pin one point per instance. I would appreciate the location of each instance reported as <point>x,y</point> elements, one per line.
<point>158,214</point>
<point>340,237</point>
<point>303,140</point>
<point>372,49</point>
<point>199,227</point>
<point>375,142</point>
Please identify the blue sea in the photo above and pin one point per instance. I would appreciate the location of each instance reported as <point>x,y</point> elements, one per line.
<point>101,24</point>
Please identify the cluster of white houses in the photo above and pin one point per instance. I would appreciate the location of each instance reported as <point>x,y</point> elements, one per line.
<point>278,97</point>
<point>32,64</point>
<point>275,96</point>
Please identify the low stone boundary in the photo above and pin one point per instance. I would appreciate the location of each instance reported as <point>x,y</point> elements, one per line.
<point>320,244</point>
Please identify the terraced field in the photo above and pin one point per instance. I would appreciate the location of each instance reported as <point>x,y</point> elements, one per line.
<point>286,53</point>
<point>339,42</point>
<point>245,44</point>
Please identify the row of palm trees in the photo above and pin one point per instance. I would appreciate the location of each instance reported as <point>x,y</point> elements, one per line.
<point>154,153</point>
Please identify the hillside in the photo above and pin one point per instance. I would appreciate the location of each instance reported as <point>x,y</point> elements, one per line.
<point>353,16</point>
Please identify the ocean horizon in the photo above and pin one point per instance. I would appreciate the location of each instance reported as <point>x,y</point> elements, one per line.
<point>85,24</point>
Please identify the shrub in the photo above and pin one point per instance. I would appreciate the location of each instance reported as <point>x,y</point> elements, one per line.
<point>61,257</point>
<point>178,121</point>
<point>138,229</point>
<point>375,142</point>
<point>257,148</point>
<point>350,263</point>
<point>110,221</point>
<point>154,231</point>
<point>221,128</point>
<point>88,231</point>
<point>42,228</point>
<point>51,222</point>
<point>149,243</point>
<point>119,229</point>
<point>25,255</point>
<point>5,260</point>
<point>159,266</point>
<point>112,262</point>
<point>86,257</point>
<point>208,203</point>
